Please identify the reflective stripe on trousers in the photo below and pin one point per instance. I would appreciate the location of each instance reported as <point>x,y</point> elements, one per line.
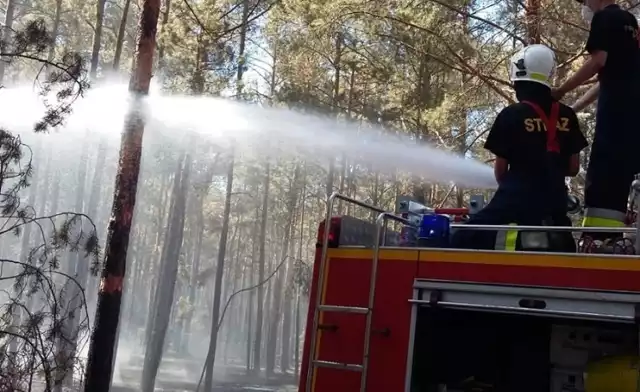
<point>602,217</point>
<point>506,239</point>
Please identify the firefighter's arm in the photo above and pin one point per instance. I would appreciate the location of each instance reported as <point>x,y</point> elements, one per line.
<point>598,45</point>
<point>500,142</point>
<point>500,168</point>
<point>574,143</point>
<point>588,70</point>
<point>574,165</point>
<point>587,99</point>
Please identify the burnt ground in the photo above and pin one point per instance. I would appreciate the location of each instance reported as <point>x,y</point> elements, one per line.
<point>182,375</point>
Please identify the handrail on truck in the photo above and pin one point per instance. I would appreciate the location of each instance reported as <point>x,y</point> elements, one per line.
<point>381,225</point>
<point>313,363</point>
<point>545,228</point>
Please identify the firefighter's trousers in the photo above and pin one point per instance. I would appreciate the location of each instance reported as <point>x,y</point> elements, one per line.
<point>512,240</point>
<point>606,196</point>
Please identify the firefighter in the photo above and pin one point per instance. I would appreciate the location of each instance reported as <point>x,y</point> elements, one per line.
<point>615,57</point>
<point>536,143</point>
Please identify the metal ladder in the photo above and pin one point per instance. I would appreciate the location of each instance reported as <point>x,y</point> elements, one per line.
<point>368,311</point>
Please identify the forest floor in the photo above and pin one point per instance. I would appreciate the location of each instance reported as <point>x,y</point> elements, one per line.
<point>182,375</point>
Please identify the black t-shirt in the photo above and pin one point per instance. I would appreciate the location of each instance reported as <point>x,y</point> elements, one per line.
<point>535,180</point>
<point>615,31</point>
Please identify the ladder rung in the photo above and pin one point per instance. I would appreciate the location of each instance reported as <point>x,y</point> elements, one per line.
<point>343,309</point>
<point>338,365</point>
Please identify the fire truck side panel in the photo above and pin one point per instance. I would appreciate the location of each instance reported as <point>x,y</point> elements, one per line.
<point>347,284</point>
<point>527,269</point>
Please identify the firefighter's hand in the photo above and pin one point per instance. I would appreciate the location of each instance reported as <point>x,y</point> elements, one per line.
<point>557,93</point>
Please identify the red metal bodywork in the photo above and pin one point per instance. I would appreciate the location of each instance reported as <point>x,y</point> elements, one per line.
<point>347,284</point>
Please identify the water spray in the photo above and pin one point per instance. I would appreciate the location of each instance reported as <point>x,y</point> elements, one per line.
<point>261,132</point>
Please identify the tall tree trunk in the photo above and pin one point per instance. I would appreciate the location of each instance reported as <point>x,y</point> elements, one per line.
<point>54,31</point>
<point>298,289</point>
<point>168,276</point>
<point>197,251</point>
<point>121,34</point>
<point>102,347</point>
<point>287,308</point>
<point>55,192</point>
<point>25,245</point>
<point>137,284</point>
<point>467,52</point>
<point>165,20</point>
<point>241,50</point>
<point>261,270</point>
<point>532,18</point>
<point>215,317</point>
<point>198,89</point>
<point>423,92</point>
<point>336,97</point>
<point>84,277</point>
<point>97,38</point>
<point>166,204</point>
<point>5,36</point>
<point>280,283</point>
<point>254,251</point>
<point>46,180</point>
<point>66,345</point>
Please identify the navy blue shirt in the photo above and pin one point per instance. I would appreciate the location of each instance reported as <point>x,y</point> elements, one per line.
<point>535,181</point>
<point>615,31</point>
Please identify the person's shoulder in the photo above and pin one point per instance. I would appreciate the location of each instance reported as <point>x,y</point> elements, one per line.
<point>514,108</point>
<point>510,112</point>
<point>629,17</point>
<point>615,12</point>
<point>612,10</point>
<point>608,15</point>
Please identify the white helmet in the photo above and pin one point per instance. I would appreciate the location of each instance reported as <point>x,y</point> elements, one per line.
<point>533,63</point>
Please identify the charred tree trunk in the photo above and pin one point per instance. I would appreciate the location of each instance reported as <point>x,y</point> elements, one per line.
<point>101,350</point>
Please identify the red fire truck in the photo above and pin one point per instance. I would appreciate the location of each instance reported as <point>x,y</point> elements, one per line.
<point>401,319</point>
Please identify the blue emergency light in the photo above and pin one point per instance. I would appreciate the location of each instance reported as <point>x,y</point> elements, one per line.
<point>434,231</point>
